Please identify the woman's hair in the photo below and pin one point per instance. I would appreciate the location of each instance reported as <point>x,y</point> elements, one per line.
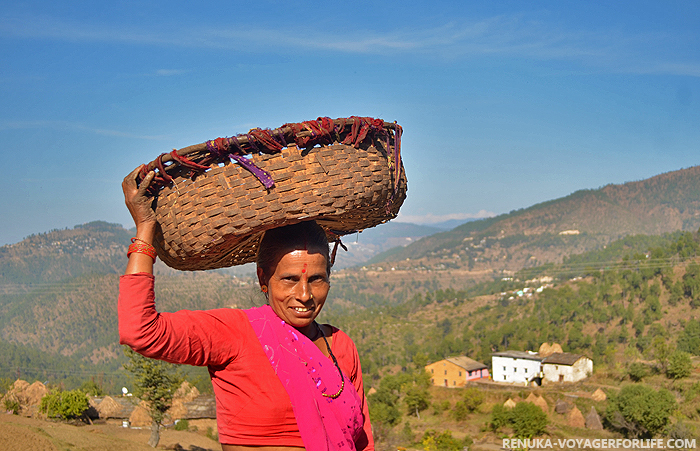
<point>277,242</point>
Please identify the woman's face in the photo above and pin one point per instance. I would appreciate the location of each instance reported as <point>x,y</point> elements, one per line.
<point>298,287</point>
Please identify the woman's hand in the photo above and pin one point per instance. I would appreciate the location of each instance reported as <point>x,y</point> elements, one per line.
<point>138,202</point>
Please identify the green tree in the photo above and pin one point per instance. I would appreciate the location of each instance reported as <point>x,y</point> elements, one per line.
<point>689,338</point>
<point>92,388</point>
<point>637,371</point>
<point>440,441</point>
<point>65,404</point>
<point>679,365</point>
<point>417,399</point>
<point>639,411</point>
<point>528,420</point>
<point>472,398</point>
<point>156,382</point>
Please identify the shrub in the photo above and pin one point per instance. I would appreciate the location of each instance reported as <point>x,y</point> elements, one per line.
<point>441,441</point>
<point>471,400</point>
<point>679,365</point>
<point>637,371</point>
<point>12,405</point>
<point>526,419</point>
<point>64,404</point>
<point>639,411</point>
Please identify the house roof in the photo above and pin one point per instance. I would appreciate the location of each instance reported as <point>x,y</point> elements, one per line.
<point>562,358</point>
<point>519,355</point>
<point>466,363</point>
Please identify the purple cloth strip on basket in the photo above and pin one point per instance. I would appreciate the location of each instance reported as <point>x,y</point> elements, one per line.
<point>261,174</point>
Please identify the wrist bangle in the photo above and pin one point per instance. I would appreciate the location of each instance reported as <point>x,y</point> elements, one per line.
<point>141,247</point>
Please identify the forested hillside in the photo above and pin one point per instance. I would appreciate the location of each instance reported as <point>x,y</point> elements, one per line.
<point>58,294</point>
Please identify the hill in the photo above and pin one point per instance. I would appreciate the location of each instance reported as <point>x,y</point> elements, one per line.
<point>549,231</point>
<point>58,290</point>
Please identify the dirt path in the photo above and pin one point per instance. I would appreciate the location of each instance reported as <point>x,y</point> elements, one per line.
<point>29,434</point>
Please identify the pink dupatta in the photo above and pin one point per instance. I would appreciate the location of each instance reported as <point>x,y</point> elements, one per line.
<point>324,423</point>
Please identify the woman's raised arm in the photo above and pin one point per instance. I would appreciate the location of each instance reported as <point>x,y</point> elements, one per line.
<point>139,204</point>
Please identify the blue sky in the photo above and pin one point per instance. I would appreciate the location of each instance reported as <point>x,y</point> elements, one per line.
<point>504,104</point>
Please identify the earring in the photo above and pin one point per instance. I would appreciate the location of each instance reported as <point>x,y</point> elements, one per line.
<point>264,288</point>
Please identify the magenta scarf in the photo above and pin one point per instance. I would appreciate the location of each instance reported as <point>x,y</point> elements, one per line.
<point>324,423</point>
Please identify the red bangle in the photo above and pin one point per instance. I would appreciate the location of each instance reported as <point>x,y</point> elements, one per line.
<point>141,247</point>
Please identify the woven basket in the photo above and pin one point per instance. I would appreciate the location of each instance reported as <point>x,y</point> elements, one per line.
<point>214,217</point>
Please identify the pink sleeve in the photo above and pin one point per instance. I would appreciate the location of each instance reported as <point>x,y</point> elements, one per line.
<point>349,361</point>
<point>191,337</point>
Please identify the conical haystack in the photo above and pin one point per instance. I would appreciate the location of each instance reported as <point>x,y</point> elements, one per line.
<point>509,403</point>
<point>531,398</point>
<point>599,395</point>
<point>542,404</point>
<point>575,418</point>
<point>140,417</point>
<point>109,408</point>
<point>593,420</point>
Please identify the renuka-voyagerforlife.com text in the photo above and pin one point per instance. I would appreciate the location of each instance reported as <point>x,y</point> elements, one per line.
<point>598,443</point>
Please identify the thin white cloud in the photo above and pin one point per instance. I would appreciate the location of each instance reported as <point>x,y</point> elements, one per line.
<point>434,219</point>
<point>67,125</point>
<point>513,36</point>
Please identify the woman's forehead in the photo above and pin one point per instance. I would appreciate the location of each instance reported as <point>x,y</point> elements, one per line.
<point>302,260</point>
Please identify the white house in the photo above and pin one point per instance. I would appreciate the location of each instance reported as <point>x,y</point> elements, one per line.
<point>516,367</point>
<point>566,367</point>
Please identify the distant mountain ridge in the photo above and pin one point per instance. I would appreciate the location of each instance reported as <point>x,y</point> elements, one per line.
<point>582,221</point>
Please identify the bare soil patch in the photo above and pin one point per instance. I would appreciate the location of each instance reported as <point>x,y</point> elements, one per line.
<point>19,433</point>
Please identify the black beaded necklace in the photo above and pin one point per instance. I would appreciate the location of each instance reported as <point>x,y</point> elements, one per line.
<point>342,384</point>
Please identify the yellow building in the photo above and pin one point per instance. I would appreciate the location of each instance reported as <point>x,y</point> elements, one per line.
<point>456,371</point>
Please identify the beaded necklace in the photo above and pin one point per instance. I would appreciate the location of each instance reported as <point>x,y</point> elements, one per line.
<point>342,378</point>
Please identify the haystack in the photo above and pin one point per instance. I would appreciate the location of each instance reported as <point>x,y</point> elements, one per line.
<point>27,396</point>
<point>575,418</point>
<point>531,398</point>
<point>108,408</point>
<point>546,349</point>
<point>593,420</point>
<point>509,403</point>
<point>140,417</point>
<point>542,404</point>
<point>599,395</point>
<point>34,393</point>
<point>185,394</point>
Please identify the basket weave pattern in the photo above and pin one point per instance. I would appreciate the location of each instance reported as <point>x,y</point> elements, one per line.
<point>216,218</point>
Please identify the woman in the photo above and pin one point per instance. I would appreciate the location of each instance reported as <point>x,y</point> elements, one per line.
<point>281,380</point>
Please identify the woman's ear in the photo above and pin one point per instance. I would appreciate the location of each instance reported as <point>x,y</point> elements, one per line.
<point>261,277</point>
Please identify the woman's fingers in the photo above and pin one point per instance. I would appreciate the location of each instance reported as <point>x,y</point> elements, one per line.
<point>136,197</point>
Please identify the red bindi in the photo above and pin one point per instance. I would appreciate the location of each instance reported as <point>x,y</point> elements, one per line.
<point>303,270</point>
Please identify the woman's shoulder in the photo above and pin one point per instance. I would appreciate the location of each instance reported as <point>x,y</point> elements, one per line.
<point>340,338</point>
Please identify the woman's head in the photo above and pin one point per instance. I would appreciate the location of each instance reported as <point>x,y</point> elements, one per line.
<point>306,235</point>
<point>293,270</point>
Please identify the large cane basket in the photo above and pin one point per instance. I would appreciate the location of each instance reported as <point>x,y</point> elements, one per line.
<point>213,201</point>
